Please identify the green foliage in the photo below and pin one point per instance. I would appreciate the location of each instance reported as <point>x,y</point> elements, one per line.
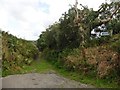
<point>115,26</point>
<point>39,66</point>
<point>62,42</point>
<point>116,46</point>
<point>98,41</point>
<point>50,54</point>
<point>16,52</point>
<point>60,35</point>
<point>115,43</point>
<point>67,34</point>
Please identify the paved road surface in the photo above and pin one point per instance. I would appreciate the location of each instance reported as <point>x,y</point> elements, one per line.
<point>36,80</point>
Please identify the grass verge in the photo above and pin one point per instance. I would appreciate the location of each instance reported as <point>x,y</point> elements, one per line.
<point>38,66</point>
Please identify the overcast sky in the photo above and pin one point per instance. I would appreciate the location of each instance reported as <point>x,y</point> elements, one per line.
<point>28,18</point>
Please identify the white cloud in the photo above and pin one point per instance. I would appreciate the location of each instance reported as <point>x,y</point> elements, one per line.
<point>28,18</point>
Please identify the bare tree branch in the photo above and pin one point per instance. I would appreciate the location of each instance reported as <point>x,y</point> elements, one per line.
<point>111,16</point>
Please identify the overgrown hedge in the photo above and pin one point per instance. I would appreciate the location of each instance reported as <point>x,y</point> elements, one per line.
<point>102,59</point>
<point>15,53</point>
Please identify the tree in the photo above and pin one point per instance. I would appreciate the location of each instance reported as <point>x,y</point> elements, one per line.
<point>74,27</point>
<point>106,13</point>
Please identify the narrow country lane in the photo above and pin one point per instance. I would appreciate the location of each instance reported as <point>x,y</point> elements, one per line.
<point>36,80</point>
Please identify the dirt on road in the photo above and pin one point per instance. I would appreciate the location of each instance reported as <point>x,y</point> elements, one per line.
<point>37,80</point>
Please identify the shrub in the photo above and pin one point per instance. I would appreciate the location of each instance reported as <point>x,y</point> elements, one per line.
<point>116,46</point>
<point>16,52</point>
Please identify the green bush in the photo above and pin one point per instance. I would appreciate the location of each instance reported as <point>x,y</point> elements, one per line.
<point>98,41</point>
<point>116,46</point>
<point>16,52</point>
